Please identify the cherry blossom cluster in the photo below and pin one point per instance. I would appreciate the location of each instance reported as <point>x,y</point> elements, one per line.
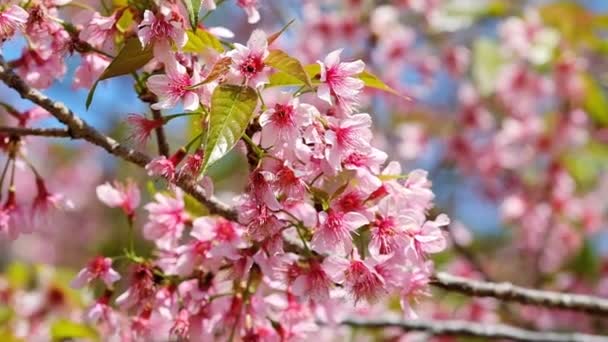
<point>326,225</point>
<point>513,135</point>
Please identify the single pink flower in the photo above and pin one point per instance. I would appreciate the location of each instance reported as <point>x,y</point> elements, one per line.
<point>141,127</point>
<point>261,189</point>
<point>338,81</point>
<point>98,268</point>
<point>250,7</point>
<point>347,136</point>
<point>359,277</point>
<point>91,67</point>
<point>13,218</point>
<point>46,205</point>
<point>284,119</point>
<point>99,31</point>
<point>426,236</point>
<point>174,87</point>
<point>332,235</point>
<point>12,18</point>
<point>162,29</point>
<point>165,167</point>
<point>125,196</point>
<point>166,218</point>
<point>248,61</point>
<point>313,283</point>
<point>141,291</point>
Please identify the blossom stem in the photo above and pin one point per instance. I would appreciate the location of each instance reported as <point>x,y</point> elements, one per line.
<point>257,90</point>
<point>196,138</point>
<point>130,235</point>
<point>254,146</point>
<point>6,165</point>
<point>170,117</point>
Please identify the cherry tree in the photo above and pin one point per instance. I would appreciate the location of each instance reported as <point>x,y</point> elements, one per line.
<point>273,179</point>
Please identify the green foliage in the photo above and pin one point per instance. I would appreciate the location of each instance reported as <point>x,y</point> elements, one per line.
<point>131,57</point>
<point>586,164</point>
<point>232,108</point>
<point>64,330</point>
<point>202,40</point>
<point>285,79</point>
<point>193,7</point>
<point>288,65</point>
<point>586,263</point>
<point>595,101</point>
<point>487,62</point>
<point>18,274</point>
<point>576,24</point>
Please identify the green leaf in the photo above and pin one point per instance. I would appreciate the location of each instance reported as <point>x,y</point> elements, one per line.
<point>18,275</point>
<point>193,7</point>
<point>595,102</point>
<point>66,330</point>
<point>126,20</point>
<point>131,57</point>
<point>587,263</point>
<point>231,110</point>
<point>487,62</point>
<point>289,65</point>
<point>284,79</point>
<point>372,81</point>
<point>202,40</point>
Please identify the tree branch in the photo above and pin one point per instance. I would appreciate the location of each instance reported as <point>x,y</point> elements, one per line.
<point>80,129</point>
<point>161,138</point>
<point>41,132</point>
<point>510,292</point>
<point>471,329</point>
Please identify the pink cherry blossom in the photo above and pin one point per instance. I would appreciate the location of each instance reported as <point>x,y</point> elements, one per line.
<point>166,167</point>
<point>162,29</point>
<point>333,234</point>
<point>347,136</point>
<point>314,283</point>
<point>91,67</point>
<point>142,127</point>
<point>166,218</point>
<point>250,7</point>
<point>125,196</point>
<point>174,87</point>
<point>47,205</point>
<point>248,61</point>
<point>338,81</point>
<point>12,18</point>
<point>283,120</point>
<point>99,31</point>
<point>98,268</point>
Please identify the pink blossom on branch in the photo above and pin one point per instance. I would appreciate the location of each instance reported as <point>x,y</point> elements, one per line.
<point>339,86</point>
<point>12,18</point>
<point>98,268</point>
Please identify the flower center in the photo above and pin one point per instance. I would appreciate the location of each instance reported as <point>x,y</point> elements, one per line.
<point>251,66</point>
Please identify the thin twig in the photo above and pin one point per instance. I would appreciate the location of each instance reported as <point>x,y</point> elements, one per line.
<point>510,292</point>
<point>471,329</point>
<point>42,132</point>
